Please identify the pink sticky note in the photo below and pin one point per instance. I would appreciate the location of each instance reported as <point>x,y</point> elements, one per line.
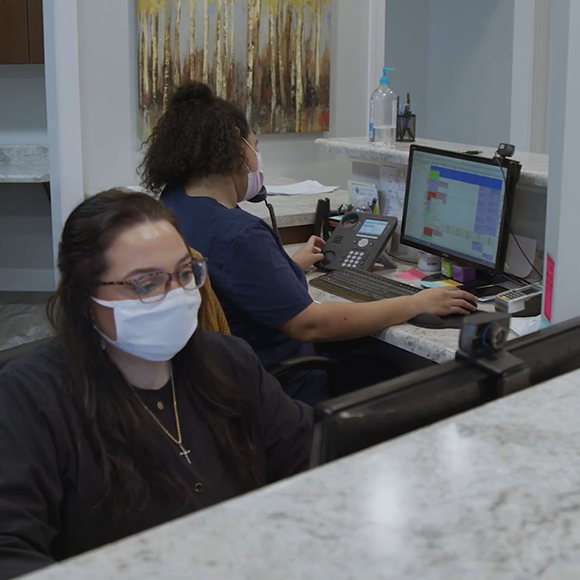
<point>410,275</point>
<point>549,288</point>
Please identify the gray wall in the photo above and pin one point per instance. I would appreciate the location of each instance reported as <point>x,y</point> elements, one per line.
<point>25,229</point>
<point>26,260</point>
<point>406,49</point>
<point>22,105</point>
<point>455,56</point>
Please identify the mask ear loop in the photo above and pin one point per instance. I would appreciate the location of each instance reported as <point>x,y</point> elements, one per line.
<point>101,339</point>
<point>255,153</point>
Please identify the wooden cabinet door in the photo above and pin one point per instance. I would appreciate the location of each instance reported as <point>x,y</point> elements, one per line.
<point>35,32</point>
<point>13,32</point>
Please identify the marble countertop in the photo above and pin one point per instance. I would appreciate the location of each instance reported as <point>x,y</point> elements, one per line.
<point>24,164</point>
<point>488,494</point>
<point>534,165</point>
<point>439,345</point>
<point>293,210</point>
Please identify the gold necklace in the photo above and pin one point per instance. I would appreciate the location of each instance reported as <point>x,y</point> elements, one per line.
<point>179,440</point>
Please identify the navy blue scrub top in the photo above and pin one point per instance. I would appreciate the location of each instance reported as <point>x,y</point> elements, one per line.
<point>258,285</point>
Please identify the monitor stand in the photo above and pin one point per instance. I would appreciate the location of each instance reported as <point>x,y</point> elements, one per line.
<point>482,279</point>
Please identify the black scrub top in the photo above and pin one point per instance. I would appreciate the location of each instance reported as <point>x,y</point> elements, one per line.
<point>50,480</point>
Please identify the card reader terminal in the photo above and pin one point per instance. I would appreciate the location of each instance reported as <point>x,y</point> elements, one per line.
<point>525,301</point>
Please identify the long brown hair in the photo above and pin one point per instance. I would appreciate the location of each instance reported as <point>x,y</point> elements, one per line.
<point>117,429</point>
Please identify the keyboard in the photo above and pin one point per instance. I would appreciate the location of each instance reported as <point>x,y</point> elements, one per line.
<point>361,286</point>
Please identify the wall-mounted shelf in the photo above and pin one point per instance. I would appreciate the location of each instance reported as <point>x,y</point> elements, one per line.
<point>24,163</point>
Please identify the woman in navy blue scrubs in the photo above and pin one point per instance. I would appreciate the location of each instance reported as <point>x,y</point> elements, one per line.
<point>203,158</point>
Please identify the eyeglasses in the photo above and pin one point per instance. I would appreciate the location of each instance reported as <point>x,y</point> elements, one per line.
<point>155,286</point>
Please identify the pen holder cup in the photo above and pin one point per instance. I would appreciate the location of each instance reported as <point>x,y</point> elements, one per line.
<point>406,126</point>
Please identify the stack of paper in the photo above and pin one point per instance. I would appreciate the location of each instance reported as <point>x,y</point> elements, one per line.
<point>309,187</point>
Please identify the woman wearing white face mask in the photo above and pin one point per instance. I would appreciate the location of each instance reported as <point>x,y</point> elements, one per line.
<point>131,416</point>
<point>203,158</point>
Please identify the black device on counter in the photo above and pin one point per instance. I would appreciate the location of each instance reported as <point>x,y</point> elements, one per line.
<point>374,414</point>
<point>358,241</point>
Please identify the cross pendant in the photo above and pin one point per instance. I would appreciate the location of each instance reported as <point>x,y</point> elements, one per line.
<point>185,453</point>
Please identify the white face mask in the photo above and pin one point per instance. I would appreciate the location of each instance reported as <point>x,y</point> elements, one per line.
<point>255,178</point>
<point>155,331</point>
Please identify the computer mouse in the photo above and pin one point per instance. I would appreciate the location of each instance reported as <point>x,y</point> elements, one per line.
<point>428,321</point>
<point>434,321</point>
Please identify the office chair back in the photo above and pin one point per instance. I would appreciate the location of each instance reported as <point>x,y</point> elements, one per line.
<point>9,354</point>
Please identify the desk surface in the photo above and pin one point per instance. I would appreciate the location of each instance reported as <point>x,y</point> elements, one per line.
<point>489,494</point>
<point>438,345</point>
<point>293,210</point>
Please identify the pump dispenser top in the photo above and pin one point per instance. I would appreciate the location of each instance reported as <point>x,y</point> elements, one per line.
<point>385,79</point>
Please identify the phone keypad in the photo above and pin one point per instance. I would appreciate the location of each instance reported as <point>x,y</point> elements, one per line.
<point>353,259</point>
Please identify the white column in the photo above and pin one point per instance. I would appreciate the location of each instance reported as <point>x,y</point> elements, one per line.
<point>562,223</point>
<point>523,50</point>
<point>540,77</point>
<point>61,57</point>
<point>376,46</point>
<point>531,49</point>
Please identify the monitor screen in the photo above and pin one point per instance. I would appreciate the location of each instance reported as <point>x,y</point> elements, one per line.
<point>455,207</point>
<point>373,228</point>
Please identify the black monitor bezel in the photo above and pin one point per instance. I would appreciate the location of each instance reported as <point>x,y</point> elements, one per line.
<point>442,391</point>
<point>508,166</point>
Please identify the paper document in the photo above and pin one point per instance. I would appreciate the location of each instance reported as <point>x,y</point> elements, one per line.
<point>308,187</point>
<point>524,326</point>
<point>410,275</point>
<point>369,191</point>
<point>518,263</point>
<point>441,284</point>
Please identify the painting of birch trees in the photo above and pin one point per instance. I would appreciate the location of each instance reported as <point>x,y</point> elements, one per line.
<point>270,57</point>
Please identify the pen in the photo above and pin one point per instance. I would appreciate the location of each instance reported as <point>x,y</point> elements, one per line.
<point>406,128</point>
<point>471,152</point>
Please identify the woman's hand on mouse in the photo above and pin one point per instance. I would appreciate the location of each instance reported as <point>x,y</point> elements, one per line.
<point>443,301</point>
<point>310,253</point>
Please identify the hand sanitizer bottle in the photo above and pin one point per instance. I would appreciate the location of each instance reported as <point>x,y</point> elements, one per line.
<point>383,114</point>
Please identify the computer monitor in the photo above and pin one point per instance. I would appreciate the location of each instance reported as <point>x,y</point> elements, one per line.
<point>457,207</point>
<point>375,414</point>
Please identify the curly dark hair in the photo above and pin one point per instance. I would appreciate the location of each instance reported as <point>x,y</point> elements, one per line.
<point>196,137</point>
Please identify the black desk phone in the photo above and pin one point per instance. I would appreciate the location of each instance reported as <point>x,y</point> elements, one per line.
<point>358,241</point>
